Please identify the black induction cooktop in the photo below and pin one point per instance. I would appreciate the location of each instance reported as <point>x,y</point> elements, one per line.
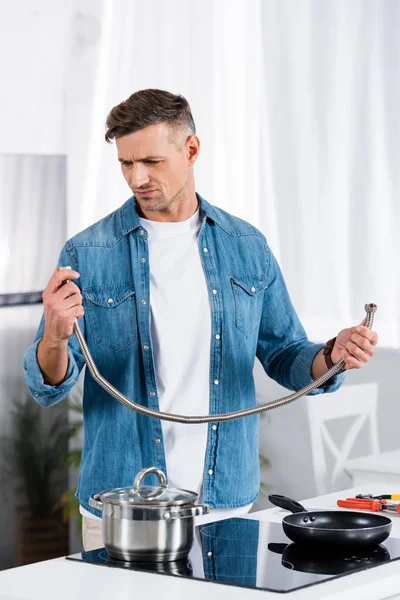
<point>255,554</point>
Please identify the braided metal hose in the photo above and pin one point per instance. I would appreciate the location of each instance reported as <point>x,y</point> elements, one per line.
<point>369,308</point>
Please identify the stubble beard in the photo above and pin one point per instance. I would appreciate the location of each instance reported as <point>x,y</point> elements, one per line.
<point>159,203</point>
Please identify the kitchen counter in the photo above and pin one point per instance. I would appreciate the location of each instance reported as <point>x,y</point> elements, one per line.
<point>63,579</point>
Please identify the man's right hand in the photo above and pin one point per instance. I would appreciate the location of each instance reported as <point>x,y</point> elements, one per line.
<point>62,305</point>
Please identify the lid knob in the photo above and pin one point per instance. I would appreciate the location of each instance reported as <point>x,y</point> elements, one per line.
<point>161,479</point>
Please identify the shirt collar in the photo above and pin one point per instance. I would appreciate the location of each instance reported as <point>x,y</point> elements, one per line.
<point>129,216</point>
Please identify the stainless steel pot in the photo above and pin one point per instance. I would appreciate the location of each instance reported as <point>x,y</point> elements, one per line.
<point>148,523</point>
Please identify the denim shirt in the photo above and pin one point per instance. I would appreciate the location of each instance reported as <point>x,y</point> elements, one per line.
<point>251,316</point>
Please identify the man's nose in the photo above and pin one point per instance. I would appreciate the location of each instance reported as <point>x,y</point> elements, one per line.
<point>138,176</point>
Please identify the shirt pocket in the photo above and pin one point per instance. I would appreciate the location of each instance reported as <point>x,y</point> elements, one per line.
<point>111,311</point>
<point>248,302</point>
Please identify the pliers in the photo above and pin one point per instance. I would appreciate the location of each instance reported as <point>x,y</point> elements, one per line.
<point>369,504</point>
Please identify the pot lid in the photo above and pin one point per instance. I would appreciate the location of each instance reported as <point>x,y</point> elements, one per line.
<point>150,495</point>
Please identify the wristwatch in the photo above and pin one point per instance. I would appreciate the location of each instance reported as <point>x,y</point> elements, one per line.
<point>327,351</point>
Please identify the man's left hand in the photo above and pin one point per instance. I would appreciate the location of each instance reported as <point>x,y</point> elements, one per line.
<point>355,345</point>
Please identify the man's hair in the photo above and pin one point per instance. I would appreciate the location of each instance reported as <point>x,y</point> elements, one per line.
<point>147,107</point>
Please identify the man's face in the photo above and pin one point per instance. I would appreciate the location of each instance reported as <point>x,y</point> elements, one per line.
<point>154,167</point>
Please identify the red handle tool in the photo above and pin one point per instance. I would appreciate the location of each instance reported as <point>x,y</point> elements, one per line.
<point>368,504</point>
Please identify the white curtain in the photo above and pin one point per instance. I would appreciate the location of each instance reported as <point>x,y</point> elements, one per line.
<point>332,74</point>
<point>296,108</point>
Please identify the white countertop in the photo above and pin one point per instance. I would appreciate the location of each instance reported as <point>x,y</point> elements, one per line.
<point>61,579</point>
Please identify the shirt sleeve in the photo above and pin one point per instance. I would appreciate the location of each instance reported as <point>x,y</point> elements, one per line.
<point>47,395</point>
<point>283,347</point>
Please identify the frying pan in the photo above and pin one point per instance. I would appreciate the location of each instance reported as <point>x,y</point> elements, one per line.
<point>311,560</point>
<point>333,528</point>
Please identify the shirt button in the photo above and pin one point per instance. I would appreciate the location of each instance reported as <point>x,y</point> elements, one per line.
<point>36,394</point>
<point>152,394</point>
<point>217,337</point>
<point>209,553</point>
<point>214,428</point>
<point>210,472</point>
<point>205,249</point>
<point>216,381</point>
<point>110,301</point>
<point>157,440</point>
<point>141,232</point>
<point>214,292</point>
<point>145,347</point>
<point>253,289</point>
<point>143,302</point>
<point>143,260</point>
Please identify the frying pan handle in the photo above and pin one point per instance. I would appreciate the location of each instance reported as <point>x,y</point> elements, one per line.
<point>287,503</point>
<point>277,548</point>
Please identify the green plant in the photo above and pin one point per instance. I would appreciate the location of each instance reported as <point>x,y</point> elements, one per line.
<point>68,502</point>
<point>264,466</point>
<point>32,456</point>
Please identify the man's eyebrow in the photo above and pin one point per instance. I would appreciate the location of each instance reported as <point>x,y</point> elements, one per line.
<point>140,159</point>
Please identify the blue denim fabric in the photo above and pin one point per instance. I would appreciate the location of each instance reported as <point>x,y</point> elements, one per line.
<point>251,313</point>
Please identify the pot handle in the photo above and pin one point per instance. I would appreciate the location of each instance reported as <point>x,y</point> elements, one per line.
<point>287,503</point>
<point>185,513</point>
<point>142,474</point>
<point>95,502</point>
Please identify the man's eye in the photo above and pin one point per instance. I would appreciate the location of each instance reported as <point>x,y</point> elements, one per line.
<point>148,162</point>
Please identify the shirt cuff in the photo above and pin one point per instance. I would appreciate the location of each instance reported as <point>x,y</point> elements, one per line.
<point>47,395</point>
<point>302,375</point>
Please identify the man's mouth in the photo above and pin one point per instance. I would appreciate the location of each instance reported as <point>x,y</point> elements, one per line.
<point>145,194</point>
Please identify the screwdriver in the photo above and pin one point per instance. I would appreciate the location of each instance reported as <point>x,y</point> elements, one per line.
<point>381,497</point>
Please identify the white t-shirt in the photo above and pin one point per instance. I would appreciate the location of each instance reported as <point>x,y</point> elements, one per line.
<point>180,327</point>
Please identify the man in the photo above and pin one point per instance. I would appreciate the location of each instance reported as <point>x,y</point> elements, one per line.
<point>176,298</point>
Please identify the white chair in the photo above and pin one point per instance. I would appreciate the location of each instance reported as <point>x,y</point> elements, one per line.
<point>359,401</point>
